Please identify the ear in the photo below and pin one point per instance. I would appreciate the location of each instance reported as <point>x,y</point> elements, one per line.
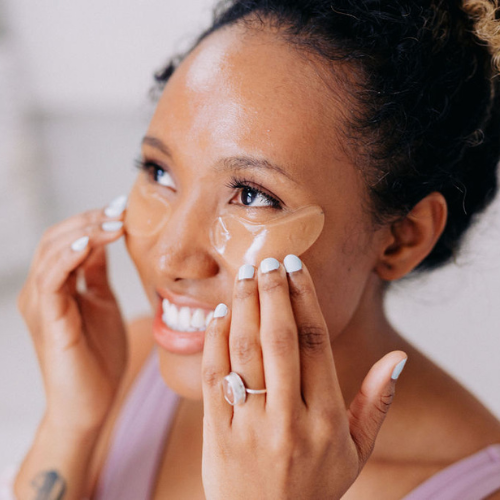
<point>413,238</point>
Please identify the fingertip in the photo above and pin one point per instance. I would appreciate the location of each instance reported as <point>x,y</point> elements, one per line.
<point>292,263</point>
<point>80,244</point>
<point>221,311</point>
<point>398,368</point>
<point>112,225</point>
<point>246,272</point>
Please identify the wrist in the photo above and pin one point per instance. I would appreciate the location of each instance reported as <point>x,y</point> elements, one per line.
<point>67,431</point>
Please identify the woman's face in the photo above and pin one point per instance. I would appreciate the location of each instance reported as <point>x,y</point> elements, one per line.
<point>245,94</point>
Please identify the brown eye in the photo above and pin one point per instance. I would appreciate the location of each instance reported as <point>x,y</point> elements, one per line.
<point>253,198</point>
<point>162,177</point>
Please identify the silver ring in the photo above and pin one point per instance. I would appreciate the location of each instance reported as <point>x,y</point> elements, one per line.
<point>235,392</point>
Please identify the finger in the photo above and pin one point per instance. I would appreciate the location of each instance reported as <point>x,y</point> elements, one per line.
<point>244,336</point>
<point>278,337</point>
<point>114,211</point>
<point>55,275</point>
<point>319,383</point>
<point>370,406</point>
<point>99,234</point>
<point>215,366</point>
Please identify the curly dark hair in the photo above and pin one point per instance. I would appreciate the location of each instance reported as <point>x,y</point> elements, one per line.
<point>426,108</point>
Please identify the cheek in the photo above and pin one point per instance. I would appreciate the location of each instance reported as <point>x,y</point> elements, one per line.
<point>341,270</point>
<point>140,251</point>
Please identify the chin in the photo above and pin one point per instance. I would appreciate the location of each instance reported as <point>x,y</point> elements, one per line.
<point>182,373</point>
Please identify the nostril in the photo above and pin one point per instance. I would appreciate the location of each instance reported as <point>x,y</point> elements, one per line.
<point>181,262</point>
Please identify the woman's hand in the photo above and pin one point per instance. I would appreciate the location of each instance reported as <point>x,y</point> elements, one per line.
<point>297,440</point>
<point>79,335</point>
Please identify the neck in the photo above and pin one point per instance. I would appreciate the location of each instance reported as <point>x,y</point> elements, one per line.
<point>366,339</point>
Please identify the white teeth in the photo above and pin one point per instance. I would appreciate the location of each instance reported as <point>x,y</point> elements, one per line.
<point>165,303</point>
<point>184,318</point>
<point>173,316</point>
<point>198,319</point>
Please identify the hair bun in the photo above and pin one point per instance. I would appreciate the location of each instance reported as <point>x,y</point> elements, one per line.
<point>486,26</point>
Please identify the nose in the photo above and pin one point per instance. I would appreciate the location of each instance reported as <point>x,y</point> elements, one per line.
<point>183,250</point>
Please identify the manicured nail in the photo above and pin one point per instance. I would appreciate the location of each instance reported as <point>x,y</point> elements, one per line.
<point>292,263</point>
<point>116,207</point>
<point>269,264</point>
<point>220,311</point>
<point>80,244</point>
<point>246,272</point>
<point>112,225</point>
<point>398,369</point>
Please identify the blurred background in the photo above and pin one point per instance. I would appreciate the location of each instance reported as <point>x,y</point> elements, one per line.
<point>74,81</point>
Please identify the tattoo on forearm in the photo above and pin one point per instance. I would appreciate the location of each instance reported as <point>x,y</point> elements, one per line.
<point>49,485</point>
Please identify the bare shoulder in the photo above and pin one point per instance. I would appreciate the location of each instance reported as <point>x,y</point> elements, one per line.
<point>140,343</point>
<point>495,496</point>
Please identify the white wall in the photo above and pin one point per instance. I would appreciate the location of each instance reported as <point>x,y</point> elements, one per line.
<point>85,67</point>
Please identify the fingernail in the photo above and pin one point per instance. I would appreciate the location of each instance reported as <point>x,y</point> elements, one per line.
<point>269,264</point>
<point>116,207</point>
<point>112,225</point>
<point>80,244</point>
<point>220,311</point>
<point>398,369</point>
<point>292,263</point>
<point>246,272</point>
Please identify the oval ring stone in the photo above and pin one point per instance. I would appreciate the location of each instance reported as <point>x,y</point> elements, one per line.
<point>234,389</point>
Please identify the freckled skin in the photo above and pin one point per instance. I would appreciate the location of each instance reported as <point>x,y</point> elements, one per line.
<point>244,93</point>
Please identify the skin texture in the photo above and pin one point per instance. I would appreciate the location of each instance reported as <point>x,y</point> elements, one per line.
<point>231,97</point>
<point>244,92</point>
<point>248,93</point>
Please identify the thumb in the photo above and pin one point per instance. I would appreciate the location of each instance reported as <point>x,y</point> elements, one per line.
<point>370,406</point>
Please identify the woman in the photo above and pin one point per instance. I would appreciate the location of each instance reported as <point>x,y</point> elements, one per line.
<point>302,156</point>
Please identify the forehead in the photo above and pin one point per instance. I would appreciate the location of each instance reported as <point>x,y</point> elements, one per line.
<point>249,92</point>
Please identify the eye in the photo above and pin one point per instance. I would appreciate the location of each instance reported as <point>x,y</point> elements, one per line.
<point>252,196</point>
<point>156,173</point>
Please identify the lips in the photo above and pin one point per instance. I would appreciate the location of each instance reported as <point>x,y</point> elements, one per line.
<point>180,327</point>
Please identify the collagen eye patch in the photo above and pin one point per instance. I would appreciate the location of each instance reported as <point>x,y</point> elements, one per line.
<point>241,241</point>
<point>147,211</point>
<point>236,236</point>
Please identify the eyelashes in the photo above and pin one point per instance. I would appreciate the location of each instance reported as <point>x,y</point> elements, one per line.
<point>149,167</point>
<point>156,172</point>
<point>249,187</point>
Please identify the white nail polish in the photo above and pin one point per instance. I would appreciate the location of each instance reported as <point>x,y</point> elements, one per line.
<point>116,207</point>
<point>269,264</point>
<point>220,311</point>
<point>398,369</point>
<point>292,263</point>
<point>112,225</point>
<point>80,244</point>
<point>246,272</point>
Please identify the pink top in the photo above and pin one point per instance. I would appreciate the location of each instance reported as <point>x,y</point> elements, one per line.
<point>141,429</point>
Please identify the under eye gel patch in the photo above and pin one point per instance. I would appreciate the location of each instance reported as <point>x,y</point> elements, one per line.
<point>238,239</point>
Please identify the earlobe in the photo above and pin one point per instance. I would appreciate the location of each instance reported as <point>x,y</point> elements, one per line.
<point>413,237</point>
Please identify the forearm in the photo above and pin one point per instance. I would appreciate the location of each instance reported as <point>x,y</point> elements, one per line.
<point>56,467</point>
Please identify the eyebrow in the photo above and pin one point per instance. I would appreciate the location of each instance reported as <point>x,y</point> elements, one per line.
<point>229,163</point>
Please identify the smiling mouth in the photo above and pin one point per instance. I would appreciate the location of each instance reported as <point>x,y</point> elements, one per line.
<point>185,319</point>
